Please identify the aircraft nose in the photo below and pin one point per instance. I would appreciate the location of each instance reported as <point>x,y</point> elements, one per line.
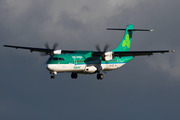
<point>49,67</point>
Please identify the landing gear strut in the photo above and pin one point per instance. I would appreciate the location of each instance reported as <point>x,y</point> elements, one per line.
<point>100,76</point>
<point>74,75</point>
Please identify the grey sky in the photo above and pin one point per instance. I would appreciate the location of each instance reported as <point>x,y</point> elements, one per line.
<point>146,88</point>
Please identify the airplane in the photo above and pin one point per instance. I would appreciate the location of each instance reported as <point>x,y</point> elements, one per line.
<point>91,62</point>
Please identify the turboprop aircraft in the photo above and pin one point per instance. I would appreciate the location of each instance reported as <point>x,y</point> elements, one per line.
<point>91,62</point>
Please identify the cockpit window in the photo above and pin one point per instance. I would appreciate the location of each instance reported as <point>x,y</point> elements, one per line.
<point>50,58</point>
<point>55,58</point>
<point>61,59</point>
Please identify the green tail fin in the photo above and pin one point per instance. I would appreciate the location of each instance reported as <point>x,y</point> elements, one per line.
<point>125,44</point>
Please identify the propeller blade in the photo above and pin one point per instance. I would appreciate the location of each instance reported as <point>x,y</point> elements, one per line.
<point>102,53</point>
<point>98,48</point>
<point>55,45</point>
<point>46,45</point>
<point>48,48</point>
<point>106,47</point>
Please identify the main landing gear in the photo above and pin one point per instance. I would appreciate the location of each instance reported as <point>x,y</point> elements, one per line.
<point>100,76</point>
<point>74,75</point>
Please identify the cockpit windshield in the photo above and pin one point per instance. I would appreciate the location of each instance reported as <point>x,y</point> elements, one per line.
<point>61,59</point>
<point>55,58</point>
<point>50,58</point>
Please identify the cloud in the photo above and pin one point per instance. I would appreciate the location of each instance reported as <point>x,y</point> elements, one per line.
<point>34,22</point>
<point>43,18</point>
<point>169,65</point>
<point>145,88</point>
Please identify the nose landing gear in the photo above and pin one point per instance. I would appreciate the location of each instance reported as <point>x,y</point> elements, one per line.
<point>53,74</point>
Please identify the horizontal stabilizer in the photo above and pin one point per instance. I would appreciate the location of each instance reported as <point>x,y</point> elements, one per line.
<point>130,29</point>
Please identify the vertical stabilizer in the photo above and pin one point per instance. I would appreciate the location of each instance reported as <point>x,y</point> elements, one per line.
<point>125,44</point>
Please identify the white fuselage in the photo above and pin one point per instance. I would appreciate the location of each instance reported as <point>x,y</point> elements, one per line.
<point>83,68</point>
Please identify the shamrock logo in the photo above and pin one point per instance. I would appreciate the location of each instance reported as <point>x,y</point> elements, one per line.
<point>126,43</point>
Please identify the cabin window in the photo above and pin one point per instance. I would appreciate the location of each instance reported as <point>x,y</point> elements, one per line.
<point>79,61</point>
<point>55,58</point>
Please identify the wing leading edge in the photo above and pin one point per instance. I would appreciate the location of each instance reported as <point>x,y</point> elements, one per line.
<point>115,53</point>
<point>33,49</point>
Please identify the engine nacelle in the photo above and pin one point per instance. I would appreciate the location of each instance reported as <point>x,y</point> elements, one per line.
<point>57,51</point>
<point>90,69</point>
<point>108,56</point>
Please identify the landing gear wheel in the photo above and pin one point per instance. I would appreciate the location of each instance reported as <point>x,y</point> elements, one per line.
<point>100,76</point>
<point>53,73</point>
<point>52,76</point>
<point>74,75</point>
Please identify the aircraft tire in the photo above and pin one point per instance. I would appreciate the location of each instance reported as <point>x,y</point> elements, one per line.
<point>52,77</point>
<point>74,75</point>
<point>100,76</point>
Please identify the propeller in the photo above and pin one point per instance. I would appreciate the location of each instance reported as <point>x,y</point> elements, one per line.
<point>50,51</point>
<point>103,53</point>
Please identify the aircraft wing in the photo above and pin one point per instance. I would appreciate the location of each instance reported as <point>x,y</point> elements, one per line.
<point>139,53</point>
<point>115,53</point>
<point>32,49</point>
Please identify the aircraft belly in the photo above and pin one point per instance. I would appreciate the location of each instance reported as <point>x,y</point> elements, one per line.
<point>66,67</point>
<point>80,68</point>
<point>107,67</point>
